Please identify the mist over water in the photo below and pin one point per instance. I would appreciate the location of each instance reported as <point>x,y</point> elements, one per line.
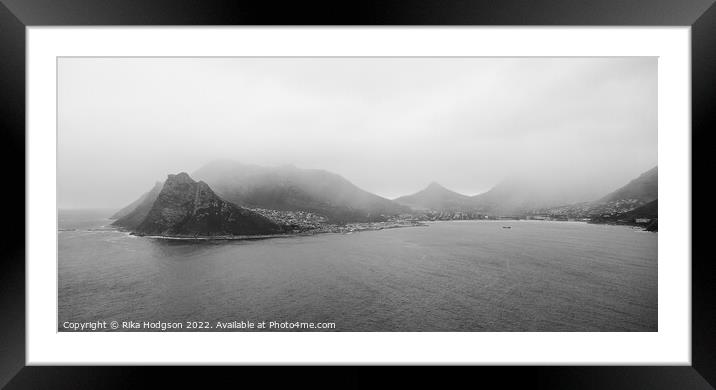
<point>448,276</point>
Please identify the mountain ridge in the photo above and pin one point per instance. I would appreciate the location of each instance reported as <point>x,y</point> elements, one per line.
<point>644,188</point>
<point>291,188</point>
<point>436,197</point>
<point>520,195</point>
<point>188,208</point>
<point>638,192</point>
<point>288,188</point>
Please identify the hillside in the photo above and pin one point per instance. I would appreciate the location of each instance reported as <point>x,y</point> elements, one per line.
<point>291,188</point>
<point>646,216</point>
<point>639,195</point>
<point>649,210</point>
<point>523,195</point>
<point>643,189</point>
<point>437,198</point>
<point>187,208</point>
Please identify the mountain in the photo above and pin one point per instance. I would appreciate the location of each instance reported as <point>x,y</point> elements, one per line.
<point>522,195</point>
<point>291,188</point>
<point>639,195</point>
<point>135,212</point>
<point>188,208</point>
<point>438,198</point>
<point>643,189</point>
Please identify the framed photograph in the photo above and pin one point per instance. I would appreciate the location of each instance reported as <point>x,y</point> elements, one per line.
<point>440,184</point>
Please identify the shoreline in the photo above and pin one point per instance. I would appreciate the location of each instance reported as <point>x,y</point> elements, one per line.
<point>347,229</point>
<point>338,231</point>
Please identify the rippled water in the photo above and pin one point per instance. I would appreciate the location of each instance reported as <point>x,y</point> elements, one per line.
<point>448,276</point>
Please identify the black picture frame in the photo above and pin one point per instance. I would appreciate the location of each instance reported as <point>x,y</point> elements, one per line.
<point>16,15</point>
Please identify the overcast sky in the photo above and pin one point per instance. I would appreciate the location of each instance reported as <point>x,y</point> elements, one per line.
<point>389,125</point>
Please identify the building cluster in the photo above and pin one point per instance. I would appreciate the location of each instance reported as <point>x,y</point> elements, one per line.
<point>611,209</point>
<point>554,217</point>
<point>363,226</point>
<point>309,222</point>
<point>299,220</point>
<point>586,211</point>
<point>445,216</point>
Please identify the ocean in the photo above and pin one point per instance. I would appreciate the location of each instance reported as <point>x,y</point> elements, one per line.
<point>455,276</point>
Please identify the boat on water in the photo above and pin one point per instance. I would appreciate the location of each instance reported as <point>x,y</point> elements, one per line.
<point>507,227</point>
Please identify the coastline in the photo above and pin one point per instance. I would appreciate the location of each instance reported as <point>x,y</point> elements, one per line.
<point>335,229</point>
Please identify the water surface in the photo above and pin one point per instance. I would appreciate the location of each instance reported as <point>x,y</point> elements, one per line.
<point>448,276</point>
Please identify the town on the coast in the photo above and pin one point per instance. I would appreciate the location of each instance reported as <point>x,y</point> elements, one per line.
<point>233,200</point>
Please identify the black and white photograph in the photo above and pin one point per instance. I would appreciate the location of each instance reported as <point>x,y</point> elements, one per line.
<point>357,194</point>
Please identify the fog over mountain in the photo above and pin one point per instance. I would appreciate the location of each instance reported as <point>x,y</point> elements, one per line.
<point>389,126</point>
<point>135,212</point>
<point>292,188</point>
<point>521,193</point>
<point>437,197</point>
<point>644,188</point>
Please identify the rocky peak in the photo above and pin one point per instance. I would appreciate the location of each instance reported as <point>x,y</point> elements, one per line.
<point>179,178</point>
<point>185,207</point>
